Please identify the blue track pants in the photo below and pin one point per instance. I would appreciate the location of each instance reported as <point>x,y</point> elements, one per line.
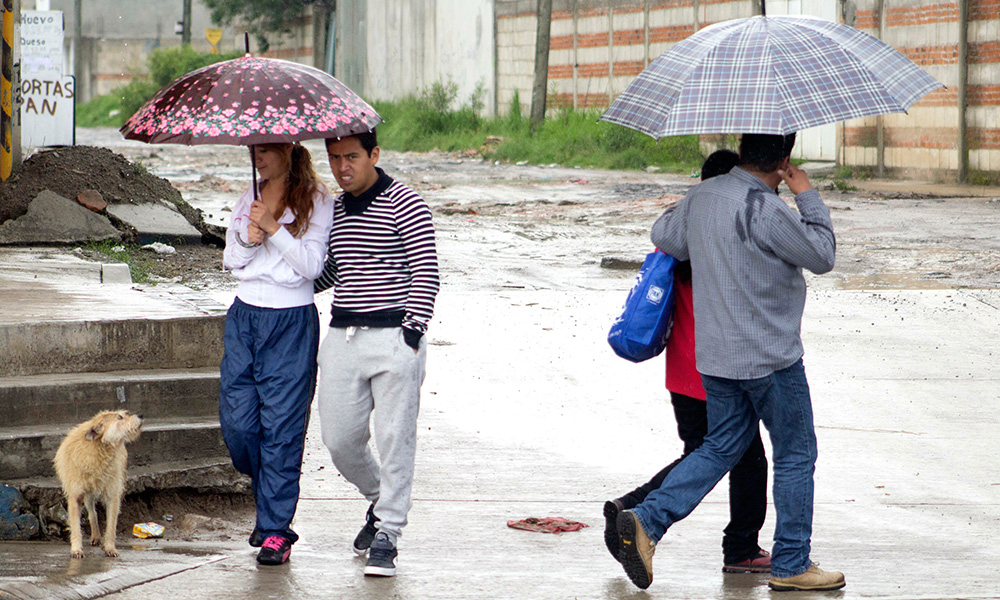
<point>268,377</point>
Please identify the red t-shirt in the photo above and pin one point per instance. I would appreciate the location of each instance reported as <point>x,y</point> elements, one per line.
<point>682,374</point>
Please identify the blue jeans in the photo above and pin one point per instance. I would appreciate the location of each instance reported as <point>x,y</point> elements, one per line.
<point>781,400</point>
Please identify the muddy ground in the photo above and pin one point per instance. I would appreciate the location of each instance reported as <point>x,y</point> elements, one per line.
<point>546,225</point>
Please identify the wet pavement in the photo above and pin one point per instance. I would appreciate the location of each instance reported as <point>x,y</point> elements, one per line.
<point>526,412</point>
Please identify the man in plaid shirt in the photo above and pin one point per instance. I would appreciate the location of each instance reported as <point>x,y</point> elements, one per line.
<point>747,250</point>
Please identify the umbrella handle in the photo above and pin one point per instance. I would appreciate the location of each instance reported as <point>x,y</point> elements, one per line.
<point>239,240</point>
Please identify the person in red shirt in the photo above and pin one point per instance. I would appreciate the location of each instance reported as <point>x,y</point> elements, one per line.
<point>748,479</point>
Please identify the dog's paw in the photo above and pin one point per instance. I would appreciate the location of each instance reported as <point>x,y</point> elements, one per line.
<point>112,552</point>
<point>76,553</point>
<point>95,541</point>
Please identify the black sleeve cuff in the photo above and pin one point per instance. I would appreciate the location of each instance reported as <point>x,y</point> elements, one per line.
<point>412,338</point>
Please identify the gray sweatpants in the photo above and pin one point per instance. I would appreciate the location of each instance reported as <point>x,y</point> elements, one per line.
<point>370,373</point>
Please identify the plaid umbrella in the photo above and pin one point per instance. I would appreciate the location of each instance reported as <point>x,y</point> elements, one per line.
<point>248,101</point>
<point>771,75</point>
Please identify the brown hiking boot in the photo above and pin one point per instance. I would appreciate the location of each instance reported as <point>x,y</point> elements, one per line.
<point>637,549</point>
<point>814,579</point>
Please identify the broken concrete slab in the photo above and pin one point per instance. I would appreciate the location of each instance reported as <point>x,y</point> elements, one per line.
<point>53,219</point>
<point>156,222</point>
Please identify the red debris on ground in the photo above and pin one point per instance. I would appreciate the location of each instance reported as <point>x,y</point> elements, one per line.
<point>547,524</point>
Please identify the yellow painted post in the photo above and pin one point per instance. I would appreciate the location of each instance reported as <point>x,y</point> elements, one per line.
<point>6,90</point>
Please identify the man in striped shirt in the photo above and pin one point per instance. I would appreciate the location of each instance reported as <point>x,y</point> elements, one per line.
<point>747,250</point>
<point>383,268</point>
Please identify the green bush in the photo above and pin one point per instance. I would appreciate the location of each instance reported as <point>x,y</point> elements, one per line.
<point>103,111</point>
<point>434,120</point>
<point>165,65</point>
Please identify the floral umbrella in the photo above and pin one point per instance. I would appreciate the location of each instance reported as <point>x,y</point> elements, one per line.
<point>247,101</point>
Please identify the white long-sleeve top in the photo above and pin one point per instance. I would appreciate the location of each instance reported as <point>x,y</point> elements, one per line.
<point>279,273</point>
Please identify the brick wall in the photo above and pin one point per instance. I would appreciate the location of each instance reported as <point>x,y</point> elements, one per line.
<point>927,140</point>
<point>598,47</point>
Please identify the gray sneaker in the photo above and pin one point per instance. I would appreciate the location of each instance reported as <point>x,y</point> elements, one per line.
<point>364,539</point>
<point>381,557</point>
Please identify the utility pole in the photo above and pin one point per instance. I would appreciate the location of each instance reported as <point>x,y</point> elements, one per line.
<point>186,21</point>
<point>81,86</point>
<point>320,25</point>
<point>880,120</point>
<point>10,131</point>
<point>963,91</point>
<point>538,91</point>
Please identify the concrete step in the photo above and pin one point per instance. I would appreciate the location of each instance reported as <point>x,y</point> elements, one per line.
<point>27,452</point>
<point>71,398</point>
<point>211,475</point>
<point>36,348</point>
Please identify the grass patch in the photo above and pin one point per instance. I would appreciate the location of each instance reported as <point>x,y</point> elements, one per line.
<point>433,120</point>
<point>840,179</point>
<point>139,261</point>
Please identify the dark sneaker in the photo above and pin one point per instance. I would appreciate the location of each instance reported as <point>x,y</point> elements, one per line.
<point>611,510</point>
<point>274,551</point>
<point>381,557</point>
<point>256,539</point>
<point>814,579</point>
<point>637,549</point>
<point>367,534</point>
<point>758,563</point>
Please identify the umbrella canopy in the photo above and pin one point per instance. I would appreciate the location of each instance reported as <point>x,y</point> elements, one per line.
<point>248,101</point>
<point>771,75</point>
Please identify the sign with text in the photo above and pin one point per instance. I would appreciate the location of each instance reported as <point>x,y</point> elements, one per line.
<point>47,111</point>
<point>42,43</point>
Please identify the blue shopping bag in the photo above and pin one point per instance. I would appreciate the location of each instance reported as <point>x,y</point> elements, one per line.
<point>641,331</point>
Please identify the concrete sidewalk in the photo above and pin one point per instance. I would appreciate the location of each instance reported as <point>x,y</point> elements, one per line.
<point>55,284</point>
<point>526,412</point>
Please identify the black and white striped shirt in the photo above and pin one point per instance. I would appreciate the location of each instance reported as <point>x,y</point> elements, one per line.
<point>381,261</point>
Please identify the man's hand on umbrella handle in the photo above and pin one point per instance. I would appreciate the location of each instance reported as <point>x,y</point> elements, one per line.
<point>262,217</point>
<point>795,178</point>
<point>255,235</point>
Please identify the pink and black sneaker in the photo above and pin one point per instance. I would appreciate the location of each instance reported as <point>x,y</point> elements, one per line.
<point>758,563</point>
<point>274,551</point>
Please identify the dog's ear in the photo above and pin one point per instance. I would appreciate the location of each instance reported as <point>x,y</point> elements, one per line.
<point>95,432</point>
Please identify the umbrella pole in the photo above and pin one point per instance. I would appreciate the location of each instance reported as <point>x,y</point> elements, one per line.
<point>253,170</point>
<point>253,150</point>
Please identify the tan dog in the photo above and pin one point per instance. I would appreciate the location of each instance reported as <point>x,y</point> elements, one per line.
<point>90,464</point>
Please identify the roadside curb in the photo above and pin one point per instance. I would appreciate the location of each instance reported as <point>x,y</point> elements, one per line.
<point>131,576</point>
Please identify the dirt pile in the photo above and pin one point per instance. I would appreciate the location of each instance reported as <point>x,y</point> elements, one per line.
<point>75,169</point>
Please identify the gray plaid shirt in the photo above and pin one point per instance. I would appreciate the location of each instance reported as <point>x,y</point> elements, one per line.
<point>747,250</point>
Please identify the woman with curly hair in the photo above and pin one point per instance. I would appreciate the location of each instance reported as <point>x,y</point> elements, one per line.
<point>275,247</point>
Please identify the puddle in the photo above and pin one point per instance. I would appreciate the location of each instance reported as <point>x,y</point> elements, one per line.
<point>896,281</point>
